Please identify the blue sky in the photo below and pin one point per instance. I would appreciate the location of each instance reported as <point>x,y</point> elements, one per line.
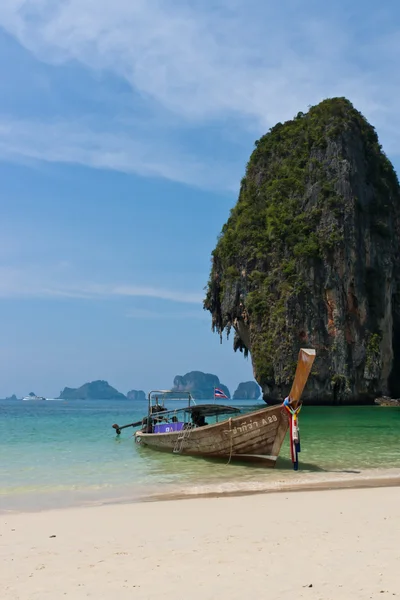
<point>125,128</point>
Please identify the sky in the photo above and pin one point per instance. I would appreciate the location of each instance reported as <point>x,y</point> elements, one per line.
<point>125,129</point>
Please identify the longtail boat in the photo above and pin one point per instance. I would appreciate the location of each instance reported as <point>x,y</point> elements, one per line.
<point>253,436</point>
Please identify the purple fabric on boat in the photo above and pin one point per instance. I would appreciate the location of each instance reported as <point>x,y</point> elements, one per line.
<point>167,427</point>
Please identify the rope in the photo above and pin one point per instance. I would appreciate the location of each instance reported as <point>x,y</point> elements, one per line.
<point>230,429</point>
<point>294,432</point>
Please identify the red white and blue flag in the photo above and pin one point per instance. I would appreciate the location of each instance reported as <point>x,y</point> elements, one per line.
<point>219,393</point>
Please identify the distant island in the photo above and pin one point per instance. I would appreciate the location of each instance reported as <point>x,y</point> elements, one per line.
<point>95,390</point>
<point>136,395</point>
<point>247,390</point>
<point>200,385</point>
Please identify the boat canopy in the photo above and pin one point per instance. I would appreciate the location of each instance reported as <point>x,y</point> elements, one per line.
<point>199,410</point>
<point>157,406</point>
<point>211,410</point>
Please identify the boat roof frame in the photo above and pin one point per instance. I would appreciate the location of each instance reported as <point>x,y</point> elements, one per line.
<point>163,393</point>
<point>203,409</point>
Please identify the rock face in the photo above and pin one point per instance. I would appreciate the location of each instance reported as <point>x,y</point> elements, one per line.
<point>309,257</point>
<point>136,395</point>
<point>385,401</point>
<point>247,390</point>
<point>200,385</point>
<point>13,397</point>
<point>96,390</point>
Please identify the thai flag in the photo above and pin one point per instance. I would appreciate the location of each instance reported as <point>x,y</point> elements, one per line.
<point>219,393</point>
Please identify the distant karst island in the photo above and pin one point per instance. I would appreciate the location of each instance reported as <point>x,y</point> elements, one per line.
<point>308,257</point>
<point>99,390</point>
<point>200,385</point>
<point>136,395</point>
<point>247,390</point>
<point>95,390</point>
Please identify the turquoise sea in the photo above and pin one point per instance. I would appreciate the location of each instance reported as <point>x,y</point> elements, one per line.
<point>63,453</point>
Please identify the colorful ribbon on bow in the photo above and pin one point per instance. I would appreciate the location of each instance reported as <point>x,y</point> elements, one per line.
<point>294,432</point>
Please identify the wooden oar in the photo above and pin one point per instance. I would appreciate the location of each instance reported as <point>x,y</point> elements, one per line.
<point>118,428</point>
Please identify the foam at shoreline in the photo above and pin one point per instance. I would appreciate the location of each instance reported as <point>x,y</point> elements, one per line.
<point>351,480</point>
<point>69,498</point>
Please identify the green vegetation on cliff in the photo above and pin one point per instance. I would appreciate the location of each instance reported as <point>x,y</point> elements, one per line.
<point>307,251</point>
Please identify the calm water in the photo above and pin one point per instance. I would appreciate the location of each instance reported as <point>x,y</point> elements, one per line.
<point>58,453</point>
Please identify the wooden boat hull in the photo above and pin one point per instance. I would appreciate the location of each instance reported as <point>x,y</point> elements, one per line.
<point>255,437</point>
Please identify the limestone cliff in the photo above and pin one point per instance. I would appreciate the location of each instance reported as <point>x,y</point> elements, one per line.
<point>309,257</point>
<point>247,390</point>
<point>385,401</point>
<point>200,385</point>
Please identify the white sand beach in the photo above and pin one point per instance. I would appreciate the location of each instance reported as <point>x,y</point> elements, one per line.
<point>318,545</point>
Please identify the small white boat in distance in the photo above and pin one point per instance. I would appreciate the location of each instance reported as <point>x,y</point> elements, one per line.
<point>33,396</point>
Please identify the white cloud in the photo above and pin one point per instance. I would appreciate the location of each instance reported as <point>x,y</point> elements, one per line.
<point>199,60</point>
<point>47,283</point>
<point>137,313</point>
<point>137,291</point>
<point>77,143</point>
<point>244,65</point>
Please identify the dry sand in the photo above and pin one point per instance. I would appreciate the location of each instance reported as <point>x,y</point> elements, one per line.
<point>324,545</point>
